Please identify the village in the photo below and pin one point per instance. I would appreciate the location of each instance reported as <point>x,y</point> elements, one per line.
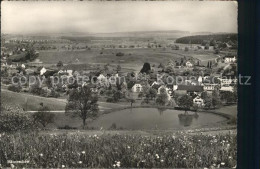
<point>209,86</point>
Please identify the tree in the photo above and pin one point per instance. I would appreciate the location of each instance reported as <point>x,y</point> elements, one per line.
<point>146,68</point>
<point>228,96</point>
<point>82,102</point>
<point>59,64</point>
<point>162,98</point>
<point>151,93</point>
<point>185,102</point>
<point>169,69</point>
<point>30,54</point>
<point>118,68</point>
<point>216,102</point>
<point>217,51</point>
<point>43,116</point>
<point>117,95</point>
<point>120,54</point>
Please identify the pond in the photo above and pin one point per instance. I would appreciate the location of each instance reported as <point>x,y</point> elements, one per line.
<point>154,118</point>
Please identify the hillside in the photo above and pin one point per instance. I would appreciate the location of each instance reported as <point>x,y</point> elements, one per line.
<point>198,39</point>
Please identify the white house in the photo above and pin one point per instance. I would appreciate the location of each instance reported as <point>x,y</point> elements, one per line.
<point>23,66</point>
<point>101,77</point>
<point>209,87</point>
<point>69,72</point>
<point>227,88</point>
<point>200,80</point>
<point>189,64</point>
<point>226,81</point>
<point>199,101</point>
<point>137,88</point>
<point>42,71</point>
<point>229,59</point>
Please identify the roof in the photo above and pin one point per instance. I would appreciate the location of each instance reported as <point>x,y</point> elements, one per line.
<point>229,56</point>
<point>190,88</point>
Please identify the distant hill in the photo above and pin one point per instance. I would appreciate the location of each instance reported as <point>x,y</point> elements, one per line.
<point>198,39</point>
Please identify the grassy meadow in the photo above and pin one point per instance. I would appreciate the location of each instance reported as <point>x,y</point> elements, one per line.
<point>177,150</point>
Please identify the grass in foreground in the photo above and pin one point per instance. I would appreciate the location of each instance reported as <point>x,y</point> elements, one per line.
<point>75,150</point>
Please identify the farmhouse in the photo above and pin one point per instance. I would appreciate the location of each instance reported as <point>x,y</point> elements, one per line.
<point>42,71</point>
<point>189,64</point>
<point>198,101</point>
<point>227,88</point>
<point>137,88</point>
<point>210,86</point>
<point>189,89</point>
<point>228,80</point>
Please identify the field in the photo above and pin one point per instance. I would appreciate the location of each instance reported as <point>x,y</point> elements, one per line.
<point>29,101</point>
<point>178,150</point>
<point>133,58</point>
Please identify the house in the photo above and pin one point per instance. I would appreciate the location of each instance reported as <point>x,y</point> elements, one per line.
<point>200,80</point>
<point>137,88</point>
<point>189,89</point>
<point>226,88</point>
<point>228,80</point>
<point>210,86</point>
<point>23,66</point>
<point>69,72</point>
<point>101,77</point>
<point>189,64</point>
<point>229,59</point>
<point>198,101</point>
<point>42,71</point>
<point>29,71</point>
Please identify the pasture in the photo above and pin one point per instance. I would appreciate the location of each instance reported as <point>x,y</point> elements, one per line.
<point>132,58</point>
<point>30,102</point>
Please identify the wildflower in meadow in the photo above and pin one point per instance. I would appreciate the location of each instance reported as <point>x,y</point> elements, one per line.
<point>41,154</point>
<point>80,162</point>
<point>83,152</point>
<point>12,166</point>
<point>62,166</point>
<point>222,163</point>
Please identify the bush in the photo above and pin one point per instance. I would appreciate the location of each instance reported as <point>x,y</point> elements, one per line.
<point>15,88</point>
<point>120,54</point>
<point>110,100</point>
<point>43,116</point>
<point>15,121</point>
<point>67,127</point>
<point>113,126</point>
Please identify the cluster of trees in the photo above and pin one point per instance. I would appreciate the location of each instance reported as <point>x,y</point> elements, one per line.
<point>211,101</point>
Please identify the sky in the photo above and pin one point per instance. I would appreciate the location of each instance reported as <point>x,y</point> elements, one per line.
<point>110,16</point>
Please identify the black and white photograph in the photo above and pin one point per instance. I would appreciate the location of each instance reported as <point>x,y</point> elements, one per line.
<point>127,84</point>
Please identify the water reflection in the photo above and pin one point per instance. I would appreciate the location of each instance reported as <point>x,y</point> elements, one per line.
<point>186,119</point>
<point>161,110</point>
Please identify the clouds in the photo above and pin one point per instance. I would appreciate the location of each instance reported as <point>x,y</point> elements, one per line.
<point>54,17</point>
